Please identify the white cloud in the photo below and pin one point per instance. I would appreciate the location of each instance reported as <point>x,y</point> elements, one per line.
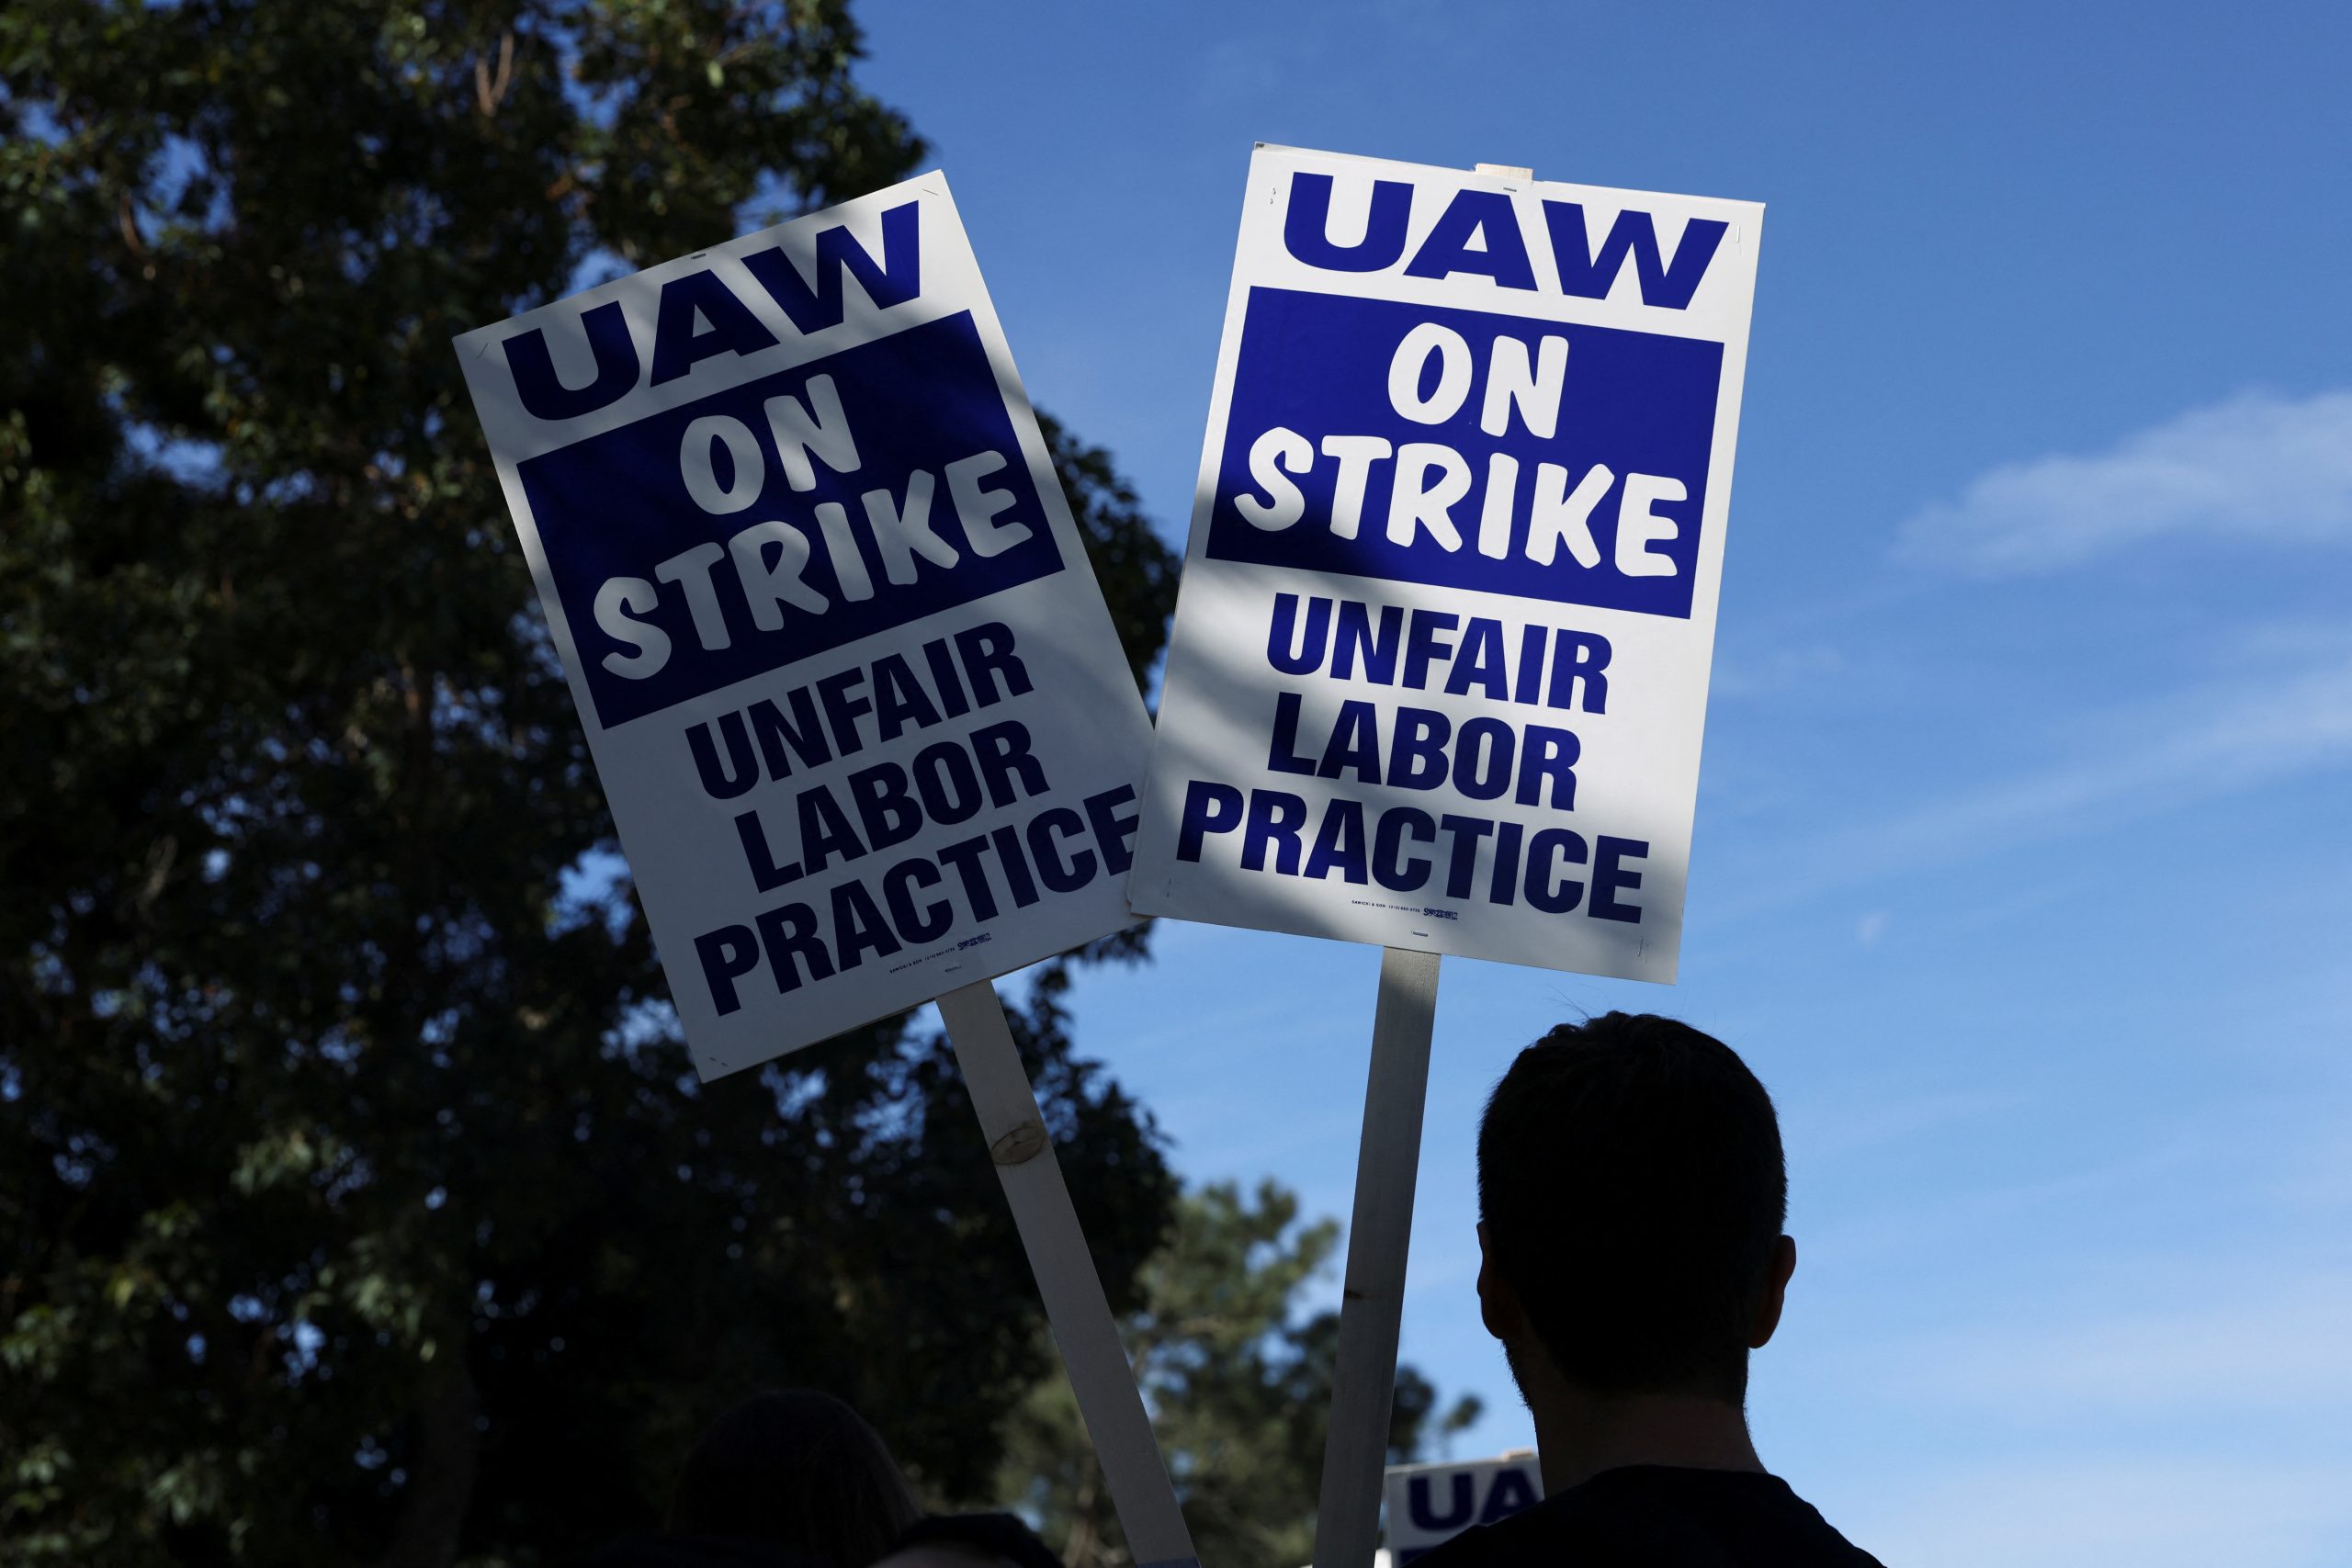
<point>1737,674</point>
<point>2240,734</point>
<point>2147,1511</point>
<point>1825,1127</point>
<point>2273,1345</point>
<point>2259,467</point>
<point>2203,1429</point>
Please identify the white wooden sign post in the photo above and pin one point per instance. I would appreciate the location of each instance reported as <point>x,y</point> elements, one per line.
<point>1083,1328</point>
<point>1380,1232</point>
<point>850,685</point>
<point>1439,663</point>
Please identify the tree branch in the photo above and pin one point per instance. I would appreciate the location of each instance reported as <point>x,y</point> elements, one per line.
<point>489,91</point>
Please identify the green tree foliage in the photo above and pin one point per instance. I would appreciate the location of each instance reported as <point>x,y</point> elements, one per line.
<point>1241,1385</point>
<point>358,1203</point>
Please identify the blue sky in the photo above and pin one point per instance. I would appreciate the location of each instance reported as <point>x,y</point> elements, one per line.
<point>2023,868</point>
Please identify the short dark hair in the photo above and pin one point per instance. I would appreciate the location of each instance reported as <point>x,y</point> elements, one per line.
<point>1633,1188</point>
<point>796,1469</point>
<point>983,1537</point>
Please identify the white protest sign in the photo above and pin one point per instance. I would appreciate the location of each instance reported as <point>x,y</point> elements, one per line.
<point>1441,654</point>
<point>1428,1504</point>
<point>850,685</point>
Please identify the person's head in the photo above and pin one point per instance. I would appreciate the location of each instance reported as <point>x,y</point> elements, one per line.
<point>1631,1198</point>
<point>800,1470</point>
<point>970,1541</point>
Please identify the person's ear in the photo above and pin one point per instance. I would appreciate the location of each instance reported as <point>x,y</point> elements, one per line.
<point>1776,1292</point>
<point>1498,1306</point>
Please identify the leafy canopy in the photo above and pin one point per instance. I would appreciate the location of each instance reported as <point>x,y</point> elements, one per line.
<point>356,1201</point>
<point>1239,1380</point>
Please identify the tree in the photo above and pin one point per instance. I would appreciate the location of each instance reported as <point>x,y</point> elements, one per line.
<point>1240,1387</point>
<point>356,1201</point>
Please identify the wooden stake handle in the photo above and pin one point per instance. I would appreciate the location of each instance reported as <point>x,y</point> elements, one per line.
<point>1075,1306</point>
<point>1372,1310</point>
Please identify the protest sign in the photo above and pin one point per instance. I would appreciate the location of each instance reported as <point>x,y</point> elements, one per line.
<point>1440,656</point>
<point>850,685</point>
<point>1428,1504</point>
<point>1439,661</point>
<point>848,682</point>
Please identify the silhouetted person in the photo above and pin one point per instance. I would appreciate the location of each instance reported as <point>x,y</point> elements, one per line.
<point>697,1551</point>
<point>970,1541</point>
<point>1631,1196</point>
<point>799,1470</point>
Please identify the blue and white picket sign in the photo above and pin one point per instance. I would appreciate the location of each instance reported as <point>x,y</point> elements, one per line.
<point>1428,1504</point>
<point>848,680</point>
<point>1441,654</point>
<point>850,685</point>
